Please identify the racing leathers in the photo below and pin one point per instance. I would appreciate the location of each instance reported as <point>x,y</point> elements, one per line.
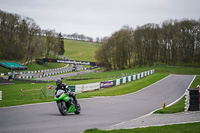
<point>67,91</point>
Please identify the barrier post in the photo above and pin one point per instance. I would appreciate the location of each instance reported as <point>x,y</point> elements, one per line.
<point>0,95</point>
<point>21,95</point>
<point>41,92</point>
<point>163,104</point>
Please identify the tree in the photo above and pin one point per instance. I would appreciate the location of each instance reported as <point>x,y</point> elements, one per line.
<point>18,37</point>
<point>51,42</point>
<point>115,51</point>
<point>61,44</point>
<point>174,42</point>
<point>97,40</point>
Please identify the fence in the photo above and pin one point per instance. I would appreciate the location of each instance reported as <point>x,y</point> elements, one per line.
<point>50,90</point>
<point>32,90</point>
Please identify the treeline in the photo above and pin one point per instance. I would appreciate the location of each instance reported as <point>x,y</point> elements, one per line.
<point>21,39</point>
<point>174,42</point>
<point>80,37</point>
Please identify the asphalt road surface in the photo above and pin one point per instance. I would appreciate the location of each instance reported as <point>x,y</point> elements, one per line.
<point>99,112</point>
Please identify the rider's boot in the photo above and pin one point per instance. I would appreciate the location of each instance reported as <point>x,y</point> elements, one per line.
<point>75,100</point>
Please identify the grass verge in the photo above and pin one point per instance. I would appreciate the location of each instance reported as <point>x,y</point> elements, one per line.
<point>178,107</point>
<point>11,93</point>
<point>177,128</point>
<point>125,88</point>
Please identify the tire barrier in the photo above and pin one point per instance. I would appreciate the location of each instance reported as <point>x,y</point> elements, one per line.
<point>192,100</point>
<point>187,98</point>
<point>126,79</point>
<point>96,86</point>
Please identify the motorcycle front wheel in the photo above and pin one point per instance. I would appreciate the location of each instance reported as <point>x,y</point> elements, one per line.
<point>62,107</point>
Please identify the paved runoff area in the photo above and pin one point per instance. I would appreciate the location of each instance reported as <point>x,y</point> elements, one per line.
<point>158,120</point>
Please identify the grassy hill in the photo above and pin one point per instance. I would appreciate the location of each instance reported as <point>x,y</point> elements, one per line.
<point>79,50</point>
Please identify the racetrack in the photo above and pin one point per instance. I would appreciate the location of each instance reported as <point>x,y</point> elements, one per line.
<point>99,112</point>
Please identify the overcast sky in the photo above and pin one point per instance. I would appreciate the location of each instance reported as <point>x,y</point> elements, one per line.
<point>99,18</point>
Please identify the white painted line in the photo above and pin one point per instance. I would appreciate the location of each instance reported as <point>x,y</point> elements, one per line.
<point>27,105</point>
<point>183,94</point>
<point>162,124</point>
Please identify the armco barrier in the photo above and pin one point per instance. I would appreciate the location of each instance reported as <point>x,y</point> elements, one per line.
<point>132,78</point>
<point>106,84</point>
<point>87,87</point>
<point>98,85</point>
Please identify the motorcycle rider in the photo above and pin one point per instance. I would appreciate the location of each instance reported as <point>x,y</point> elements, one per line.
<point>64,87</point>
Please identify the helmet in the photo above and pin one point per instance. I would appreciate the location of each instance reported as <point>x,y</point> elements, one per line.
<point>58,82</point>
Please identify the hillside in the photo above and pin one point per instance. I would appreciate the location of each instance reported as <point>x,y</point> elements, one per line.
<point>79,50</point>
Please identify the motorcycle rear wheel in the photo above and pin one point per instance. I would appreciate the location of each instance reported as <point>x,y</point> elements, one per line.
<point>62,108</point>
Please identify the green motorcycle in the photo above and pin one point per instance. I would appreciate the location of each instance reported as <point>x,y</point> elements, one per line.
<point>66,104</point>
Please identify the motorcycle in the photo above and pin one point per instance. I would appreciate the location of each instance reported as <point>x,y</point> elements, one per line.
<point>66,104</point>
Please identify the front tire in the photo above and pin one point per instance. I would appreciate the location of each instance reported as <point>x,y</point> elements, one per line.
<point>62,108</point>
<point>78,108</point>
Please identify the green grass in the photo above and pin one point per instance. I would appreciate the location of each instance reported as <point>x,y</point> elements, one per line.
<point>177,128</point>
<point>11,93</point>
<point>79,50</point>
<point>178,107</point>
<point>4,70</point>
<point>195,82</point>
<point>35,66</point>
<point>109,75</point>
<point>178,69</point>
<point>125,88</point>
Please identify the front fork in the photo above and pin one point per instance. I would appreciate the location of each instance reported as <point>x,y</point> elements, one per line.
<point>63,104</point>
